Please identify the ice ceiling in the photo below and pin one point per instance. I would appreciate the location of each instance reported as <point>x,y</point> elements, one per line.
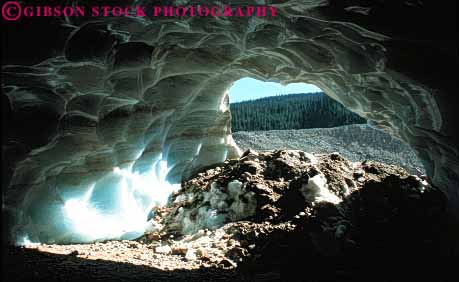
<point>135,104</point>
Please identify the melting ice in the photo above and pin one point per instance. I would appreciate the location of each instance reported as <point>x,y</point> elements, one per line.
<point>137,194</point>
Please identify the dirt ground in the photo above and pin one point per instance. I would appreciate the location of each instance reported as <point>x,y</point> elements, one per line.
<point>287,217</point>
<point>113,261</point>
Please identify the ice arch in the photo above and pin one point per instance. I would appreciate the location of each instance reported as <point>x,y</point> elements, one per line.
<point>133,92</point>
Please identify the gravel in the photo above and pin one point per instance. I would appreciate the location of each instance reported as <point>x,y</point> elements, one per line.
<point>358,142</point>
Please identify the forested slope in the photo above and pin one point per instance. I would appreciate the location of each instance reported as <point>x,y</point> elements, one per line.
<point>293,111</point>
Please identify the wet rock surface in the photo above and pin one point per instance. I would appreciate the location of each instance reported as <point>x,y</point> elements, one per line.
<point>264,217</point>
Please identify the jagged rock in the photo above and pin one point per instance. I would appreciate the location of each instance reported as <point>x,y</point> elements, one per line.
<point>312,214</point>
<point>163,249</point>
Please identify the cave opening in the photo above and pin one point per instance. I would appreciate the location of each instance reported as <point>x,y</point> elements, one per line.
<point>300,116</point>
<point>94,129</point>
<point>117,203</point>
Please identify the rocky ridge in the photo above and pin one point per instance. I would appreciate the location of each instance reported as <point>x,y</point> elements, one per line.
<point>356,142</point>
<point>326,199</point>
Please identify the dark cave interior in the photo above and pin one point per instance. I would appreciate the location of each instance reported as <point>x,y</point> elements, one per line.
<point>129,101</point>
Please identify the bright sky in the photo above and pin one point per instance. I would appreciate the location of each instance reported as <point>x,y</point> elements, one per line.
<point>249,89</point>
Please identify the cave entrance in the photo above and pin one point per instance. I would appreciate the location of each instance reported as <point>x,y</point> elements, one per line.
<point>300,116</point>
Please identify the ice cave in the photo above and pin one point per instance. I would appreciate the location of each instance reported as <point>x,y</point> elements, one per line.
<point>117,112</point>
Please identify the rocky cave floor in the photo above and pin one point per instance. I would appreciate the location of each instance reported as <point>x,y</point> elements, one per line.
<point>274,216</point>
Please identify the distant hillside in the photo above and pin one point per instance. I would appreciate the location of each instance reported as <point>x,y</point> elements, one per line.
<point>357,142</point>
<point>293,111</point>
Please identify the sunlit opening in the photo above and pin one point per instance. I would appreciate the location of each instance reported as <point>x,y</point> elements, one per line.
<point>246,89</point>
<point>299,116</point>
